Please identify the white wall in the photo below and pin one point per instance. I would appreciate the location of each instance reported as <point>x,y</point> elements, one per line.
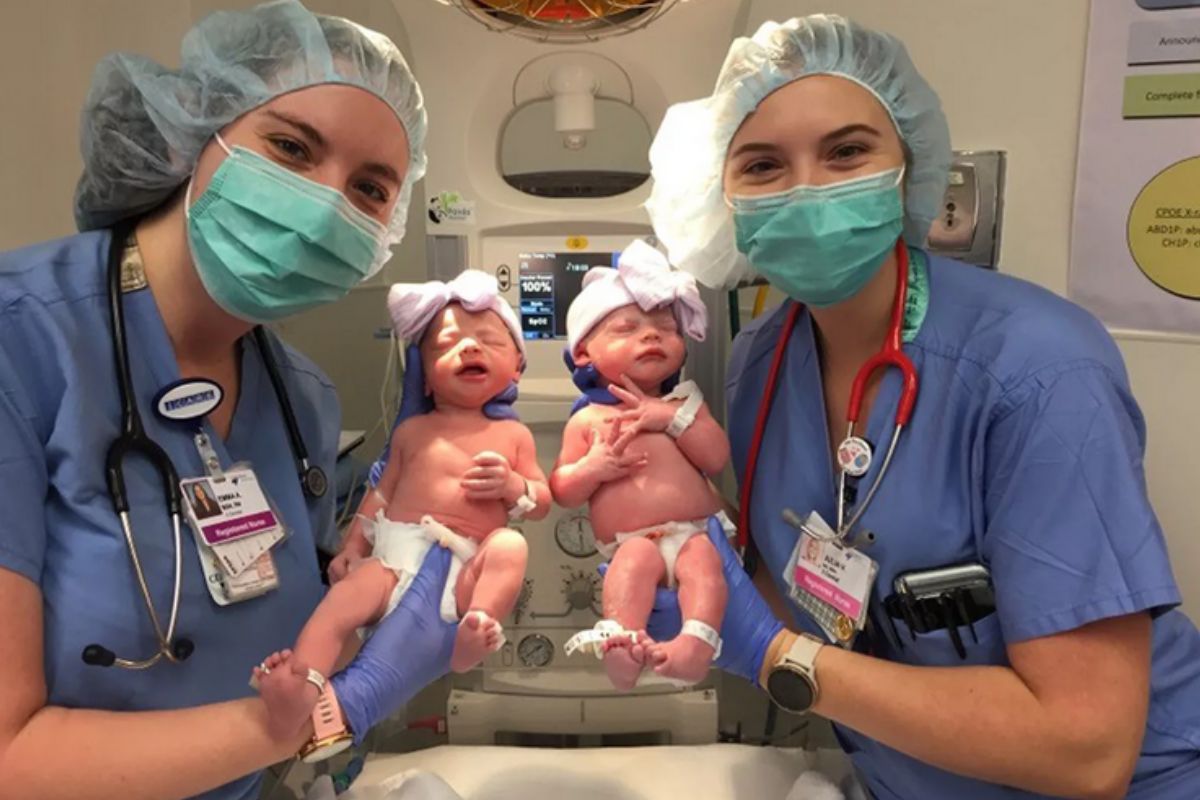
<point>47,52</point>
<point>1010,76</point>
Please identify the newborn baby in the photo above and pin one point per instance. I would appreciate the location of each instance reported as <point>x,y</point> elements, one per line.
<point>639,454</point>
<point>455,475</point>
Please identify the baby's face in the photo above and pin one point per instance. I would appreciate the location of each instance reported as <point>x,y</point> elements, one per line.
<point>645,345</point>
<point>469,357</point>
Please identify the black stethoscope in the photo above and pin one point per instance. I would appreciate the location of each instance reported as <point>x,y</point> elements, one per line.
<point>133,440</point>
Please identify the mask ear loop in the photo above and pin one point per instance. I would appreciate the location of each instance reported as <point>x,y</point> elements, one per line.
<point>187,197</point>
<point>221,142</point>
<point>187,193</point>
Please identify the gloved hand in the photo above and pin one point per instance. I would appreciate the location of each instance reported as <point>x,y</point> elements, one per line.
<point>749,625</point>
<point>409,649</point>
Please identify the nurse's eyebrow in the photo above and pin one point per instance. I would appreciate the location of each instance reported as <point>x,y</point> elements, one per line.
<point>754,147</point>
<point>311,133</point>
<point>846,130</point>
<point>383,171</point>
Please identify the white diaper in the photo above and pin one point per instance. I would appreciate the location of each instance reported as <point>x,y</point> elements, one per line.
<point>669,536</point>
<point>402,547</point>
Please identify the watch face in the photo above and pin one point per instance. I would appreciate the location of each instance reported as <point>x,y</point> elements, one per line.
<point>790,690</point>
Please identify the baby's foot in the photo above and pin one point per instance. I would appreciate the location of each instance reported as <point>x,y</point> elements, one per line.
<point>625,657</point>
<point>685,658</point>
<point>478,634</point>
<point>290,698</point>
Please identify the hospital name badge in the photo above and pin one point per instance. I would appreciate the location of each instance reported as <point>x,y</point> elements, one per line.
<point>829,581</point>
<point>235,528</point>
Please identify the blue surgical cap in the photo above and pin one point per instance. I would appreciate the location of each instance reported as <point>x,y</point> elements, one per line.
<point>687,159</point>
<point>144,125</point>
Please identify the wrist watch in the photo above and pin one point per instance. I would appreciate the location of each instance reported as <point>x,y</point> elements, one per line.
<point>792,682</point>
<point>330,733</point>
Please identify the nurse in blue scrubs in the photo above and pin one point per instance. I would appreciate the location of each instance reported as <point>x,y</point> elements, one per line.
<point>818,163</point>
<point>271,173</point>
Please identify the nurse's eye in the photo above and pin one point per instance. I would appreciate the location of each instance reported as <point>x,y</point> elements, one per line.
<point>290,149</point>
<point>372,191</point>
<point>847,151</point>
<point>760,166</point>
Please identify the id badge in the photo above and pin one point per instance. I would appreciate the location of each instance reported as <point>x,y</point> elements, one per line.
<point>226,589</point>
<point>832,583</point>
<point>235,527</point>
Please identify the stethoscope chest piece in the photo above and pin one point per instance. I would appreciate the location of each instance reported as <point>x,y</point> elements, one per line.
<point>316,484</point>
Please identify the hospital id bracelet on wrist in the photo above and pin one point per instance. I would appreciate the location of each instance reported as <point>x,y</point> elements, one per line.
<point>685,415</point>
<point>330,733</point>
<point>524,504</point>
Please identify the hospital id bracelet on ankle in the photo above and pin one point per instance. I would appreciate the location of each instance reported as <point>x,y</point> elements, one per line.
<point>524,504</point>
<point>592,640</point>
<point>685,415</point>
<point>704,632</point>
<point>330,734</point>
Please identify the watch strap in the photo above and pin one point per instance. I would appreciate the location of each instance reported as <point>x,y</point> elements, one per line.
<point>330,735</point>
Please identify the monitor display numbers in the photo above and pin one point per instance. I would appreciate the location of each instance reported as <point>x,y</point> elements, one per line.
<point>548,282</point>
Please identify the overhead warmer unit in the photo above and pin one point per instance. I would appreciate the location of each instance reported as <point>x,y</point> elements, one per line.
<point>563,21</point>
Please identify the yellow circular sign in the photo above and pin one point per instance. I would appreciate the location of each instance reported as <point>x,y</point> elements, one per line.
<point>1164,229</point>
<point>576,242</point>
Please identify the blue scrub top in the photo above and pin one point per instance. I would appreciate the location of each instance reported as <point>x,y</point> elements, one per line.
<point>59,411</point>
<point>1024,454</point>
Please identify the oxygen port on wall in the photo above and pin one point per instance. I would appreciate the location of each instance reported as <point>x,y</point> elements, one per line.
<point>968,226</point>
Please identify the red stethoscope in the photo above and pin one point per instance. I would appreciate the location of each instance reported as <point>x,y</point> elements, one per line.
<point>854,454</point>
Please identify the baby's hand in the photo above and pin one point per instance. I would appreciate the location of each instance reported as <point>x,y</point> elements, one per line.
<point>607,458</point>
<point>642,414</point>
<point>339,567</point>
<point>492,478</point>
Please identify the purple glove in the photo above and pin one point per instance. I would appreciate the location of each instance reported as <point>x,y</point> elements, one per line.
<point>409,649</point>
<point>749,625</point>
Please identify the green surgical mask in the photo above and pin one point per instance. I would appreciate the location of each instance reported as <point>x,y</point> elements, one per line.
<point>821,244</point>
<point>268,243</point>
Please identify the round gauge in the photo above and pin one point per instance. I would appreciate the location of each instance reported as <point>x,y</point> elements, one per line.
<point>573,534</point>
<point>535,650</point>
<point>581,590</point>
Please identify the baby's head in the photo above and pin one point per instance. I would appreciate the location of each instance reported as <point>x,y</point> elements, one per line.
<point>467,339</point>
<point>644,345</point>
<point>469,357</point>
<point>631,321</point>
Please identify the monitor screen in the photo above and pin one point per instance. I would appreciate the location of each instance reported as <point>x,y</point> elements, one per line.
<point>548,283</point>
